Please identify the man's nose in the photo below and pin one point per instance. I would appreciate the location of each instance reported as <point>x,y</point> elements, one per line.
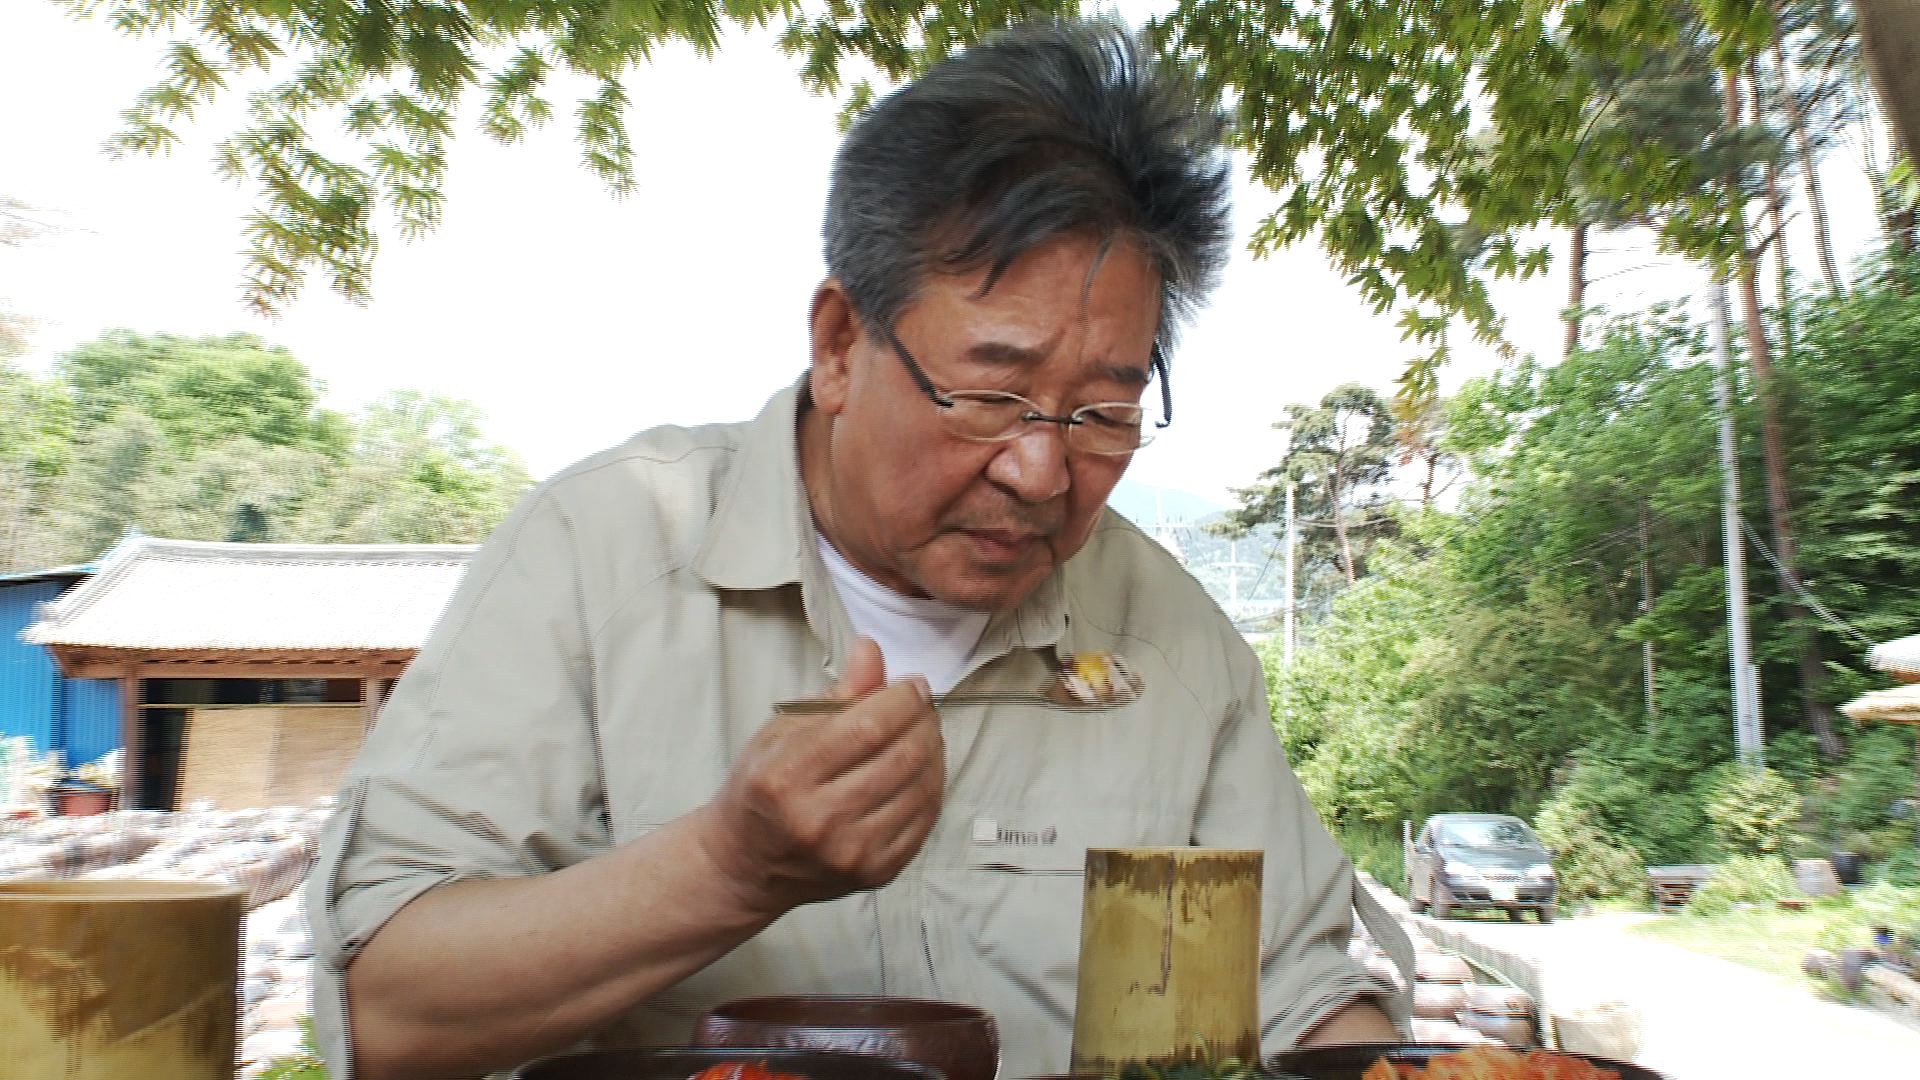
<point>1033,466</point>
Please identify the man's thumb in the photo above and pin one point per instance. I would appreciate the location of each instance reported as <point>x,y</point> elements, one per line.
<point>866,671</point>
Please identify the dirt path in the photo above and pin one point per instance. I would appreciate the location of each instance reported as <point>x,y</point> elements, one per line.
<point>1706,1018</point>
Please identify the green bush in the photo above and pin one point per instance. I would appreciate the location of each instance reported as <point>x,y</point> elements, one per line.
<point>1591,864</point>
<point>1892,906</point>
<point>1753,811</point>
<point>1902,868</point>
<point>305,1065</point>
<point>1375,848</point>
<point>1878,771</point>
<point>1881,904</point>
<point>1615,785</point>
<point>1358,778</point>
<point>1743,879</point>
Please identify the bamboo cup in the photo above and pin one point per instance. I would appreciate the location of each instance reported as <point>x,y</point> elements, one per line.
<point>106,980</point>
<point>1169,958</point>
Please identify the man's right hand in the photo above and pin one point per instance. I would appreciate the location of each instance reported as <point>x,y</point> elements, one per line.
<point>821,806</point>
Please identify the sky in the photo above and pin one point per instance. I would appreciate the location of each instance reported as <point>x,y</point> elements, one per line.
<point>573,318</point>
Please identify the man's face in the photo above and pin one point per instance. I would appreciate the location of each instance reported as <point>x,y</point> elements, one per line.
<point>930,513</point>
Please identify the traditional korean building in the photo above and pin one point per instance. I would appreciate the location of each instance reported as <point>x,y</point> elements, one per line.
<point>245,674</point>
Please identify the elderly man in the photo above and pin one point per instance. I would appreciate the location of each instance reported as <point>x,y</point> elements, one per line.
<point>580,817</point>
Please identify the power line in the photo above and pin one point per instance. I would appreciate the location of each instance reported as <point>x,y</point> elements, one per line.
<point>1272,550</point>
<point>1793,583</point>
<point>1578,555</point>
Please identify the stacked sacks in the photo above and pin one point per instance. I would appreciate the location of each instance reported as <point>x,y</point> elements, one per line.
<point>1502,1012</point>
<point>1441,984</point>
<point>276,983</point>
<point>75,847</point>
<point>265,852</point>
<point>1449,1005</point>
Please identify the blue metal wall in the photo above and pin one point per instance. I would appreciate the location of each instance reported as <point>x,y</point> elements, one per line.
<point>92,711</point>
<point>78,716</point>
<point>26,671</point>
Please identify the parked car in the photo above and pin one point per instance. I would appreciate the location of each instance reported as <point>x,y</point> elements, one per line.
<point>1478,861</point>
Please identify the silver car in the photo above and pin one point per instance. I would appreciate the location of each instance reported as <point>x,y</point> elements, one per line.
<point>1478,862</point>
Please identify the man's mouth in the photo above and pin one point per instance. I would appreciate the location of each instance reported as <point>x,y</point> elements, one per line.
<point>1001,544</point>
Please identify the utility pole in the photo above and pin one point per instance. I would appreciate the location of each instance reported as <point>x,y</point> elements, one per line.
<point>1293,543</point>
<point>1233,575</point>
<point>1746,688</point>
<point>1646,608</point>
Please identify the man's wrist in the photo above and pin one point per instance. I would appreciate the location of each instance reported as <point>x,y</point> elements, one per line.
<point>743,886</point>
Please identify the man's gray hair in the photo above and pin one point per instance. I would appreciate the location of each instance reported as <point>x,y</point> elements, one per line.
<point>1045,129</point>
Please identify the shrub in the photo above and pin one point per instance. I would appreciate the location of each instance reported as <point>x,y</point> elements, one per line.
<point>1743,879</point>
<point>1613,784</point>
<point>1902,868</point>
<point>1879,904</point>
<point>305,1065</point>
<point>1878,771</point>
<point>1376,849</point>
<point>1753,811</point>
<point>1357,779</point>
<point>1591,864</point>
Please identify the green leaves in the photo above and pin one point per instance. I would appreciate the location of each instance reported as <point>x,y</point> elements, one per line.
<point>392,77</point>
<point>603,136</point>
<point>513,97</point>
<point>223,439</point>
<point>1492,657</point>
<point>1358,114</point>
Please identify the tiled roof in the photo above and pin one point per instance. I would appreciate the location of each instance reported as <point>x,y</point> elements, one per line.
<point>155,594</point>
<point>55,573</point>
<point>1901,657</point>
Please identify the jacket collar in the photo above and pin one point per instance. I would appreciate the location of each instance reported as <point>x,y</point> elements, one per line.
<point>761,527</point>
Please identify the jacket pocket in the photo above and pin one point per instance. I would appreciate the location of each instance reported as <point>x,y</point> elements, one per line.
<point>1002,919</point>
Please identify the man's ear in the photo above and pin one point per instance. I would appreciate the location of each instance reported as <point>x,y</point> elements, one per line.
<point>834,328</point>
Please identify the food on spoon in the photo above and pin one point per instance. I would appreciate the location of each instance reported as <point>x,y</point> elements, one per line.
<point>744,1070</point>
<point>1492,1063</point>
<point>1098,678</point>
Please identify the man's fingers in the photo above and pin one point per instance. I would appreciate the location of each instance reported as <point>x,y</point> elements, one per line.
<point>869,851</point>
<point>866,672</point>
<point>866,728</point>
<point>896,834</point>
<point>894,769</point>
<point>845,799</point>
<point>802,753</point>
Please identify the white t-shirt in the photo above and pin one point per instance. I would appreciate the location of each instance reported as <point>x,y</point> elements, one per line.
<point>926,637</point>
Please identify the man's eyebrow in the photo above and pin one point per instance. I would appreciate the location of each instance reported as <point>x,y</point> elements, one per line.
<point>1004,354</point>
<point>1007,354</point>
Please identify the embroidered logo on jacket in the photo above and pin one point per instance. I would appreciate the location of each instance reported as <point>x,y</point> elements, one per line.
<point>989,831</point>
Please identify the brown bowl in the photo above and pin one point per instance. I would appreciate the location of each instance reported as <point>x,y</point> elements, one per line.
<point>680,1063</point>
<point>1351,1062</point>
<point>959,1040</point>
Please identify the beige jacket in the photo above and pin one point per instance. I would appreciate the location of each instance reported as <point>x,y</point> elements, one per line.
<point>620,638</point>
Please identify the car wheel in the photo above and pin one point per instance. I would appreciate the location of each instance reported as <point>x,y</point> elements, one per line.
<point>1442,901</point>
<point>1544,914</point>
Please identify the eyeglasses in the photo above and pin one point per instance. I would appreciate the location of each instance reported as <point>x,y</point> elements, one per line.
<point>1103,427</point>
